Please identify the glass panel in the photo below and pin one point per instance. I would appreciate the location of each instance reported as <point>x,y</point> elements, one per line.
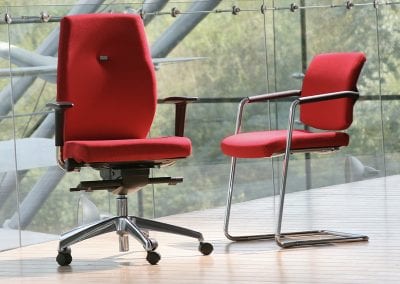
<point>34,45</point>
<point>352,29</point>
<point>231,70</point>
<point>341,30</point>
<point>9,236</point>
<point>46,206</point>
<point>222,59</point>
<point>388,40</point>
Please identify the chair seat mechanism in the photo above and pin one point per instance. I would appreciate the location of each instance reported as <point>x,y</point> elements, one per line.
<point>112,185</point>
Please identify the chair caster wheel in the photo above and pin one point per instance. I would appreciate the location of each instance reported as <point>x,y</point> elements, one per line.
<point>154,244</point>
<point>64,257</point>
<point>153,257</point>
<point>206,248</point>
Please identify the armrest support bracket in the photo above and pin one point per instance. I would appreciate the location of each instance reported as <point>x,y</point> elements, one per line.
<point>180,111</point>
<point>59,110</point>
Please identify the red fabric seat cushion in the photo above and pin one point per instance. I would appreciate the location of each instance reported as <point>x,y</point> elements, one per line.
<point>127,150</point>
<point>262,144</point>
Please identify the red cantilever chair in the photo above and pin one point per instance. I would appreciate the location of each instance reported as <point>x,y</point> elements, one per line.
<point>326,103</point>
<point>106,102</point>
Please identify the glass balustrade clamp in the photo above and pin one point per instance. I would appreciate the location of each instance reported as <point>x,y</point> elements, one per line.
<point>45,17</point>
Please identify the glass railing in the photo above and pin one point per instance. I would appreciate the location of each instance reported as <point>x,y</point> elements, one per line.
<point>220,51</point>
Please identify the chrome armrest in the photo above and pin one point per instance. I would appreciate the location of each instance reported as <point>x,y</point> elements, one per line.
<point>261,98</point>
<point>273,96</point>
<point>313,99</point>
<point>318,98</point>
<point>329,96</point>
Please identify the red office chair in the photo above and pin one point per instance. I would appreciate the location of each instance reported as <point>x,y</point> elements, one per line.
<point>326,102</point>
<point>106,102</point>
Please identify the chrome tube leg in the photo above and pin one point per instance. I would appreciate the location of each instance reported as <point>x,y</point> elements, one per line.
<point>228,212</point>
<point>229,199</point>
<point>285,169</point>
<point>282,194</point>
<point>231,183</point>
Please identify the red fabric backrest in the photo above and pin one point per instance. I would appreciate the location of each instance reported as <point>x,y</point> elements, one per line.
<point>327,73</point>
<point>114,98</point>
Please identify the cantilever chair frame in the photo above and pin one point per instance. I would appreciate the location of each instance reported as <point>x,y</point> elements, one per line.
<point>281,238</point>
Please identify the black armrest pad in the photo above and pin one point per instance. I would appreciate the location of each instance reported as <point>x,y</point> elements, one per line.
<point>329,96</point>
<point>59,105</point>
<point>177,100</point>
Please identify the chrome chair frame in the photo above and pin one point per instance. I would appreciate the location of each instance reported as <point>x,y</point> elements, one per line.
<point>286,240</point>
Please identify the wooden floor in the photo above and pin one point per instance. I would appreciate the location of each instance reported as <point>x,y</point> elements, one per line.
<point>371,207</point>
